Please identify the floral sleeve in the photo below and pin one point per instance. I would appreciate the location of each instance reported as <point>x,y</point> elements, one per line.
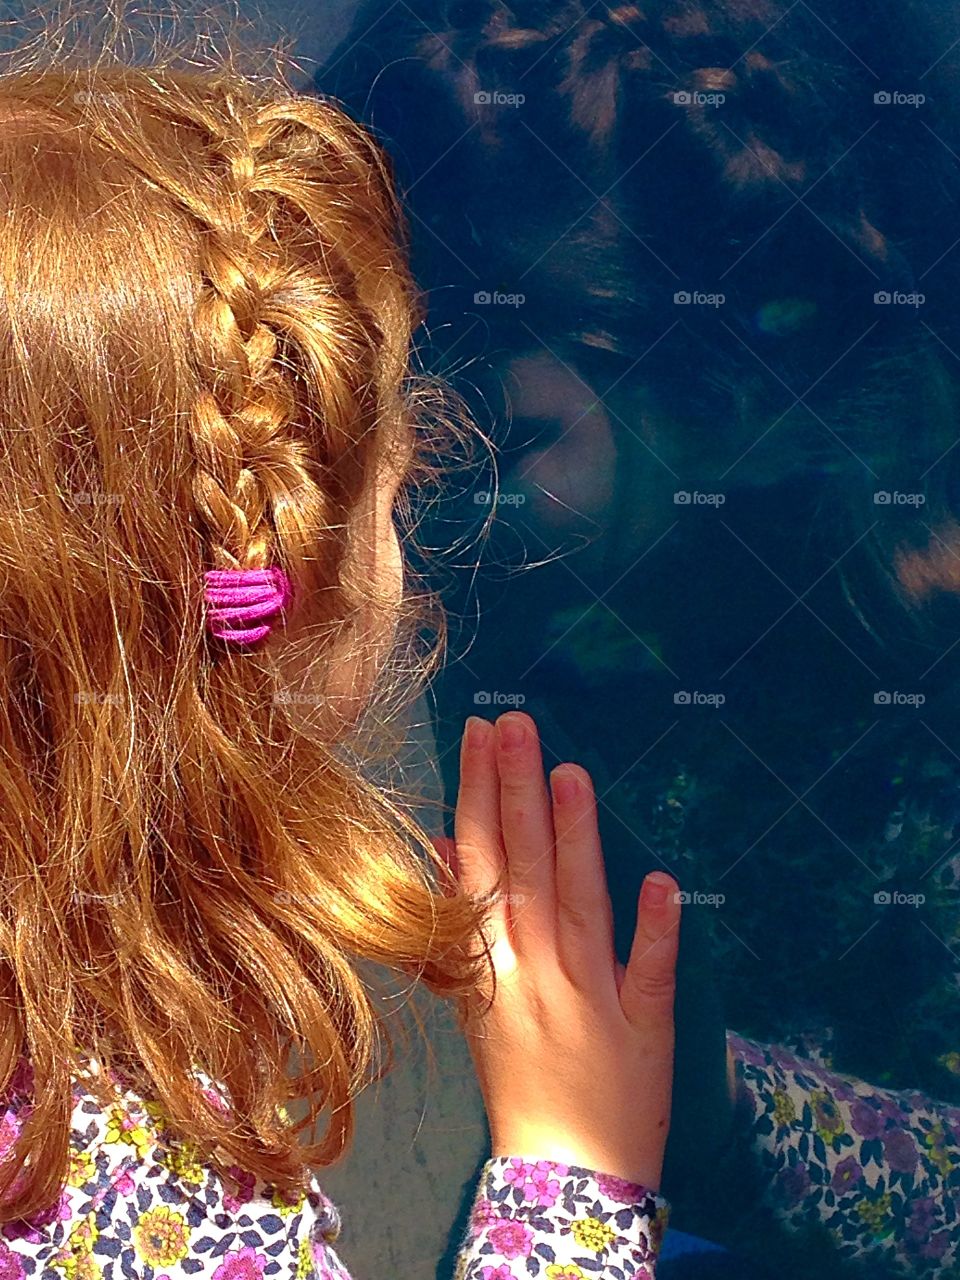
<point>559,1222</point>
<point>879,1169</point>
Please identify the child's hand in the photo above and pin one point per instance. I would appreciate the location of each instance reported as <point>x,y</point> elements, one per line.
<point>575,1057</point>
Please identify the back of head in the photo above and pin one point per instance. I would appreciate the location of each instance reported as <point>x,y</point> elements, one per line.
<point>205,325</point>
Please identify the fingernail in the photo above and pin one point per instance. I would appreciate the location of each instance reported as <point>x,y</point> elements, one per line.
<point>476,732</point>
<point>565,787</point>
<point>656,889</point>
<point>511,734</point>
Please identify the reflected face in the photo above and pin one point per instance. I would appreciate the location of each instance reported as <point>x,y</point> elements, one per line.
<point>567,475</point>
<point>593,472</point>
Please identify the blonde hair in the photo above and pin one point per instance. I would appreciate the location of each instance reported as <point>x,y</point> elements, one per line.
<point>205,360</point>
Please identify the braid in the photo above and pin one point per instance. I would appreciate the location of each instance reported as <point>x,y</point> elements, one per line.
<point>240,417</point>
<point>302,319</point>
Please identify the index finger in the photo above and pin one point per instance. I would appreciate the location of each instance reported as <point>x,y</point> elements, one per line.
<point>479,844</point>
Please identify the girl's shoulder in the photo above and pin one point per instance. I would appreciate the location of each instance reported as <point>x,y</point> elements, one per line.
<point>135,1195</point>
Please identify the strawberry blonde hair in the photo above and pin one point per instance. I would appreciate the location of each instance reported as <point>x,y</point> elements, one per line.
<point>205,362</point>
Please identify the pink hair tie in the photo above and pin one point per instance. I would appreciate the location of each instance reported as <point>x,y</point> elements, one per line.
<point>238,596</point>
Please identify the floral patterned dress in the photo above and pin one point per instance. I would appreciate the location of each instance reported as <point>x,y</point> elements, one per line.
<point>139,1204</point>
<point>879,1169</point>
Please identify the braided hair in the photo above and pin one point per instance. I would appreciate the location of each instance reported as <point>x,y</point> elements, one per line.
<point>274,386</point>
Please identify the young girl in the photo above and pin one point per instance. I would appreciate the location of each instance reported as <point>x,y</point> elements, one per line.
<point>208,413</point>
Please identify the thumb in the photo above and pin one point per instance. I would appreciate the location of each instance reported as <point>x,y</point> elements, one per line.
<point>648,982</point>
